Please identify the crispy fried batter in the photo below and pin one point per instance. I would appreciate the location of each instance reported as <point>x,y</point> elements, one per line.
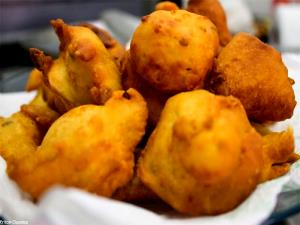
<point>215,12</point>
<point>88,147</point>
<point>210,157</point>
<point>254,73</point>
<point>112,45</point>
<point>174,50</point>
<point>39,110</point>
<point>278,150</point>
<point>35,80</point>
<point>84,72</point>
<point>204,157</point>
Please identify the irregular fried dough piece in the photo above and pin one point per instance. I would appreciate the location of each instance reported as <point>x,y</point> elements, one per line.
<point>19,137</point>
<point>170,55</point>
<point>112,45</point>
<point>215,12</point>
<point>278,151</point>
<point>84,72</point>
<point>42,107</point>
<point>59,92</point>
<point>155,99</point>
<point>35,80</point>
<point>166,5</point>
<point>39,111</point>
<point>254,73</point>
<point>204,157</point>
<point>88,147</point>
<point>279,148</point>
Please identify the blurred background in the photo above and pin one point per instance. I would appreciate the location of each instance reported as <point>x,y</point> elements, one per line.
<point>25,23</point>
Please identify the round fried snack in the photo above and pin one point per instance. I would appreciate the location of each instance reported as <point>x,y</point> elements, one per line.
<point>204,157</point>
<point>155,99</point>
<point>215,12</point>
<point>83,73</point>
<point>88,147</point>
<point>254,73</point>
<point>174,50</point>
<point>279,152</point>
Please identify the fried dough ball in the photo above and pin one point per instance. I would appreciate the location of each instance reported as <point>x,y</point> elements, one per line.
<point>166,5</point>
<point>114,47</point>
<point>254,73</point>
<point>155,99</point>
<point>204,157</point>
<point>88,147</point>
<point>215,12</point>
<point>83,73</point>
<point>174,50</point>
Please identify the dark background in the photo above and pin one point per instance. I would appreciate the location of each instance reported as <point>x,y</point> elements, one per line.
<point>26,14</point>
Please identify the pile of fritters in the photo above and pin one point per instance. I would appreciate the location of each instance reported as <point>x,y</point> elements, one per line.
<point>171,118</point>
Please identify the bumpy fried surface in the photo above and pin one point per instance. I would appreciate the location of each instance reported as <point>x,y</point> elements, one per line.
<point>88,147</point>
<point>166,5</point>
<point>84,72</point>
<point>278,152</point>
<point>114,47</point>
<point>39,110</point>
<point>210,157</point>
<point>254,73</point>
<point>155,99</point>
<point>204,157</point>
<point>19,137</point>
<point>174,50</point>
<point>215,12</point>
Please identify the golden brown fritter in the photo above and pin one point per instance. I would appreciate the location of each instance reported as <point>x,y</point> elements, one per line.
<point>19,138</point>
<point>39,110</point>
<point>205,146</point>
<point>83,73</point>
<point>215,12</point>
<point>254,73</point>
<point>56,83</point>
<point>88,147</point>
<point>114,47</point>
<point>35,80</point>
<point>155,99</point>
<point>278,151</point>
<point>204,157</point>
<point>174,50</point>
